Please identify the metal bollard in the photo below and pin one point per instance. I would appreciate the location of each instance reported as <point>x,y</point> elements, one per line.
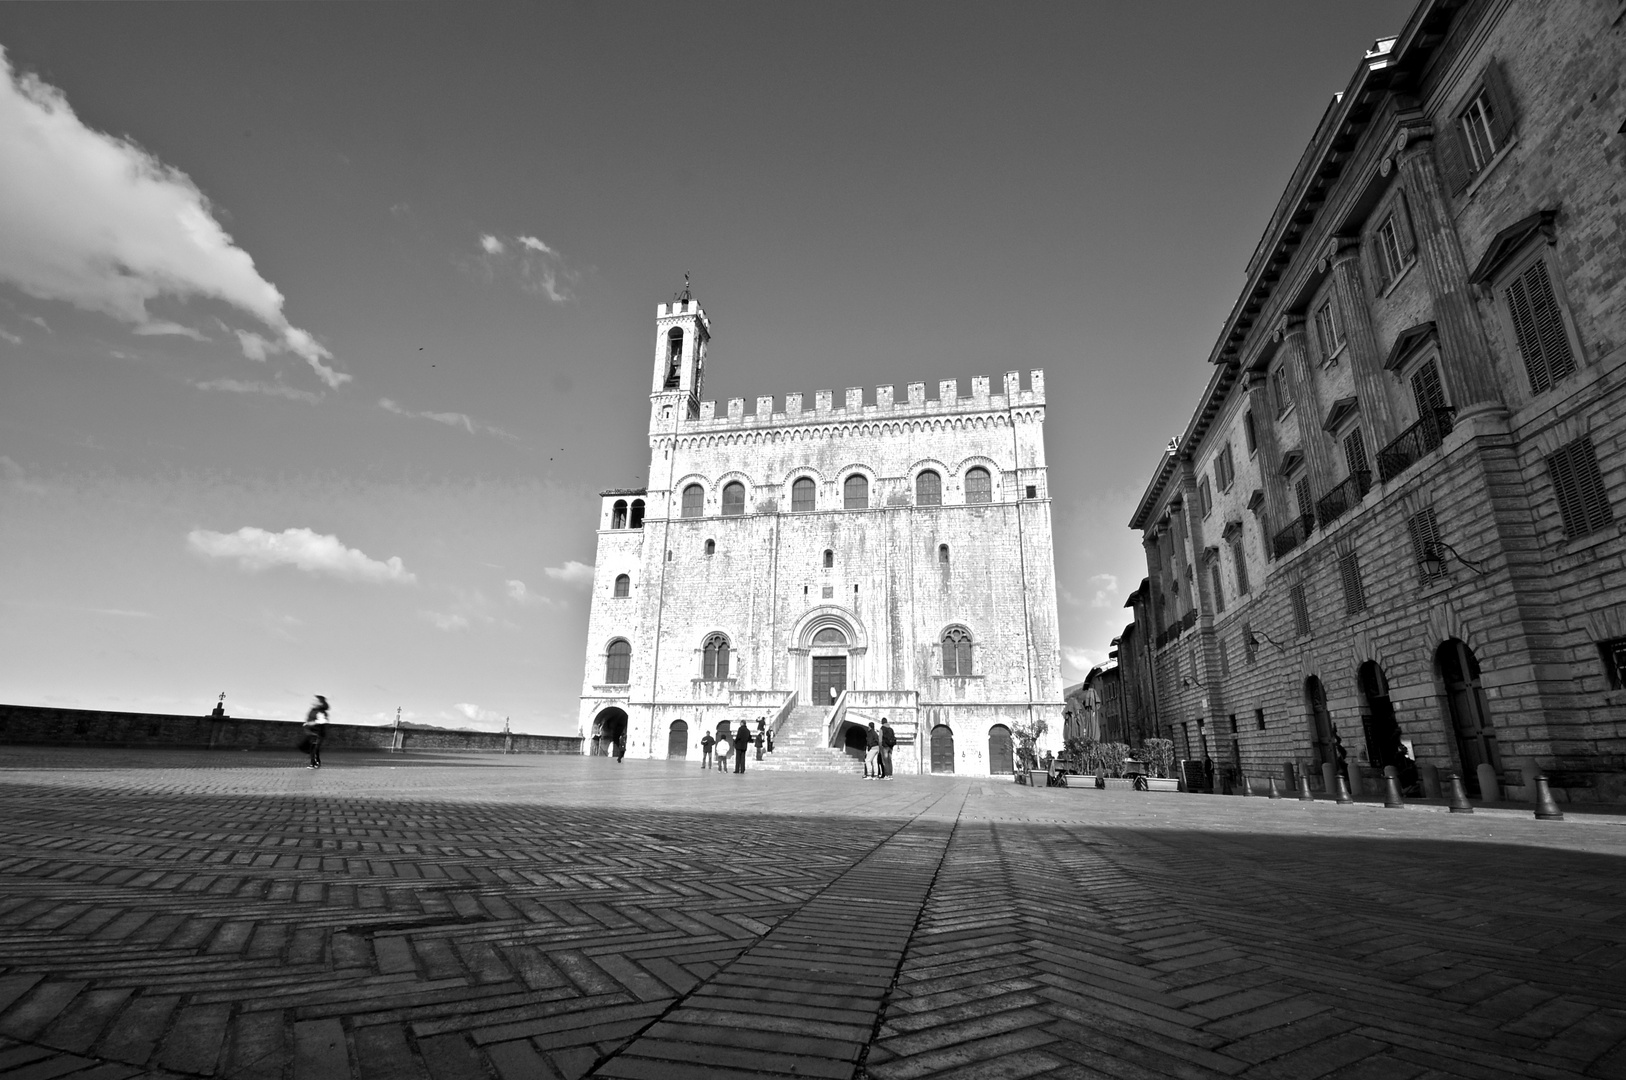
<point>1391,793</point>
<point>1247,788</point>
<point>1344,797</point>
<point>1304,789</point>
<point>1274,793</point>
<point>1459,796</point>
<point>1546,808</point>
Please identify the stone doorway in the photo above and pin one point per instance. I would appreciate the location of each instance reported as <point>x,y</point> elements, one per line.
<point>677,740</point>
<point>1000,756</point>
<point>1470,712</point>
<point>1321,734</point>
<point>829,679</point>
<point>608,726</point>
<point>942,749</point>
<point>1383,739</point>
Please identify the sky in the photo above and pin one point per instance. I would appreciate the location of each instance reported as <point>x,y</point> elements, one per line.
<point>322,326</point>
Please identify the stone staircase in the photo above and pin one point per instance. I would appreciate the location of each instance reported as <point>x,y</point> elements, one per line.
<point>800,746</point>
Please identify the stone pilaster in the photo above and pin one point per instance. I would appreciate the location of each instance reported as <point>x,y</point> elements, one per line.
<point>1361,344</point>
<point>1312,440</point>
<point>1277,512</point>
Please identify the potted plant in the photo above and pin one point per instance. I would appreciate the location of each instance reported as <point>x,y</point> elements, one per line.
<point>1159,756</point>
<point>1110,761</point>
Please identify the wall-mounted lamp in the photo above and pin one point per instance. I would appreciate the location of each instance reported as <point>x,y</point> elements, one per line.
<point>1193,683</point>
<point>1255,636</point>
<point>1434,555</point>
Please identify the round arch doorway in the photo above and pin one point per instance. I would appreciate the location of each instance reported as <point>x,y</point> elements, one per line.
<point>677,739</point>
<point>942,749</point>
<point>1470,712</point>
<point>828,661</point>
<point>609,726</point>
<point>1322,739</point>
<point>1383,736</point>
<point>1001,757</point>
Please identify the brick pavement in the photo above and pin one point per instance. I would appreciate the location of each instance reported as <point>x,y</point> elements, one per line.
<point>198,914</point>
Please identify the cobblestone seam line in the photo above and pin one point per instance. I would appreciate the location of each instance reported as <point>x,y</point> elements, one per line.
<point>805,999</point>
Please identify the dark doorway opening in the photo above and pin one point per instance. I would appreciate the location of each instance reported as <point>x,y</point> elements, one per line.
<point>1383,738</point>
<point>942,749</point>
<point>1001,761</point>
<point>829,679</point>
<point>853,738</point>
<point>677,740</point>
<point>1321,733</point>
<point>608,726</point>
<point>1470,712</point>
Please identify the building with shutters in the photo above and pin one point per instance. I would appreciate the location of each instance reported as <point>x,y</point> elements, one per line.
<point>824,567</point>
<point>1391,533</point>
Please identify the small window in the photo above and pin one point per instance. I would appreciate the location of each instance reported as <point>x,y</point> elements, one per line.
<point>1033,491</point>
<point>1259,719</point>
<point>733,499</point>
<point>637,519</point>
<point>1329,330</point>
<point>1205,496</point>
<point>828,592</point>
<point>928,489</point>
<point>829,558</point>
<point>1538,327</point>
<point>618,662</point>
<point>957,652</point>
<point>1393,250</point>
<point>855,492</point>
<point>1349,571</point>
<point>714,662</point>
<point>623,585</point>
<point>942,554</point>
<point>694,501</point>
<point>618,514</point>
<point>1424,530</point>
<point>1250,437</point>
<point>801,495</point>
<point>1279,390</point>
<point>1301,610</point>
<point>1355,457</point>
<point>711,547</point>
<point>979,487</point>
<point>1582,501</point>
<point>1613,654</point>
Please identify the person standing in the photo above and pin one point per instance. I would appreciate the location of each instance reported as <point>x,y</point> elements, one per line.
<point>889,739</point>
<point>742,743</point>
<point>706,743</point>
<point>725,748</point>
<point>316,730</point>
<point>872,753</point>
<point>620,747</point>
<point>762,735</point>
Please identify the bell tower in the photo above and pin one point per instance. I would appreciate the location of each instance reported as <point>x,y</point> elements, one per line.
<point>682,332</point>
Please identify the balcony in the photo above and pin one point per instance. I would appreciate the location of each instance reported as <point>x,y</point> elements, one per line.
<point>1335,503</point>
<point>1291,537</point>
<point>1178,627</point>
<point>1419,439</point>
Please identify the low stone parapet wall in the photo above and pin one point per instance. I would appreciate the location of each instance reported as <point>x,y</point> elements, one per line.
<point>47,726</point>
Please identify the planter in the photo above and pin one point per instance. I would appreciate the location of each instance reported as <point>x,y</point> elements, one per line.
<point>1156,783</point>
<point>1118,783</point>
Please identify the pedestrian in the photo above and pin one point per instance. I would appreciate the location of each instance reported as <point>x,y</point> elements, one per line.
<point>316,730</point>
<point>762,735</point>
<point>770,740</point>
<point>742,742</point>
<point>872,753</point>
<point>706,743</point>
<point>889,739</point>
<point>620,747</point>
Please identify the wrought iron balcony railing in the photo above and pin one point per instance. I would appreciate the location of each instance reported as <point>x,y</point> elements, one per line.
<point>1296,533</point>
<point>1333,505</point>
<point>1419,439</point>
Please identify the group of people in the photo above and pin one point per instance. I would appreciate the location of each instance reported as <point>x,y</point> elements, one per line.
<point>720,748</point>
<point>878,751</point>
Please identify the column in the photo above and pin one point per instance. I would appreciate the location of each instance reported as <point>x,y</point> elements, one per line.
<point>1277,513</point>
<point>1465,361</point>
<point>1361,345</point>
<point>1312,440</point>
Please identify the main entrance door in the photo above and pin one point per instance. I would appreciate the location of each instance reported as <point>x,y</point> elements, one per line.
<point>677,742</point>
<point>1320,723</point>
<point>1000,759</point>
<point>1470,712</point>
<point>942,749</point>
<point>829,673</point>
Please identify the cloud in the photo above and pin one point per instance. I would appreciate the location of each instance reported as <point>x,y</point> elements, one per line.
<point>571,573</point>
<point>448,623</point>
<point>39,322</point>
<point>100,223</point>
<point>255,347</point>
<point>256,550</point>
<point>520,594</point>
<point>15,477</point>
<point>1082,660</point>
<point>238,386</point>
<point>530,262</point>
<point>1106,591</point>
<point>450,419</point>
<point>487,718</point>
<point>9,336</point>
<point>172,329</point>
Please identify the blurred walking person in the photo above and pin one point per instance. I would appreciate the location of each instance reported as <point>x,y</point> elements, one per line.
<point>316,731</point>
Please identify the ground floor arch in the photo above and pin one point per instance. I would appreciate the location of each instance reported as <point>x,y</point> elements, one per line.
<point>677,739</point>
<point>942,749</point>
<point>1001,757</point>
<point>609,726</point>
<point>1323,739</point>
<point>1385,744</point>
<point>1468,708</point>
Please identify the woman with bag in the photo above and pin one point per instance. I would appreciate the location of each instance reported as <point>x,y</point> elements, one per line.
<point>315,731</point>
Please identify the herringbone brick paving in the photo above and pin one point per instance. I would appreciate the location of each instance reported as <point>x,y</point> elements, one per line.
<point>197,914</point>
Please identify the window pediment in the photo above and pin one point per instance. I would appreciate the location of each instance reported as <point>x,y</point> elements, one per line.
<point>1411,339</point>
<point>1506,244</point>
<point>1341,410</point>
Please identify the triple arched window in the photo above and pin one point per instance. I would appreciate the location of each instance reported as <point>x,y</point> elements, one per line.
<point>979,487</point>
<point>801,494</point>
<point>694,501</point>
<point>855,492</point>
<point>623,585</point>
<point>618,662</point>
<point>714,658</point>
<point>928,489</point>
<point>733,499</point>
<point>957,651</point>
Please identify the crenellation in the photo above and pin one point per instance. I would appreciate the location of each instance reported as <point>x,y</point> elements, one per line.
<point>855,398</point>
<point>979,389</point>
<point>793,405</point>
<point>736,408</point>
<point>917,395</point>
<point>883,397</point>
<point>821,401</point>
<point>764,408</point>
<point>948,390</point>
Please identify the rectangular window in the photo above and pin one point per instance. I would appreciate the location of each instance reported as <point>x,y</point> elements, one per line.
<point>1225,657</point>
<point>1249,436</point>
<point>1328,330</point>
<point>1278,389</point>
<point>1033,491</point>
<point>1582,501</point>
<point>1225,468</point>
<point>1205,496</point>
<point>1426,390</point>
<point>1241,564</point>
<point>1349,569</point>
<point>1301,495</point>
<point>1424,531</point>
<point>1391,251</point>
<point>1613,654</point>
<point>1477,131</point>
<point>1538,327</point>
<point>1301,610</point>
<point>1219,591</point>
<point>1355,454</point>
<point>1259,719</point>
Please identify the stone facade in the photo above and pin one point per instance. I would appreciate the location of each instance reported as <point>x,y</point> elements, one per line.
<point>896,549</point>
<point>1395,519</point>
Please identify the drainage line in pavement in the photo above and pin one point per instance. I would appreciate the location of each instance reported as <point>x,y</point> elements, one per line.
<point>861,1070</point>
<point>679,1001</point>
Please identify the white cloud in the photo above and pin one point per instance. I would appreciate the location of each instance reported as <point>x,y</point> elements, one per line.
<point>445,622</point>
<point>486,718</point>
<point>535,266</point>
<point>172,329</point>
<point>9,336</point>
<point>520,594</point>
<point>16,477</point>
<point>1082,660</point>
<point>1106,591</point>
<point>239,386</point>
<point>571,573</point>
<point>450,419</point>
<point>256,550</point>
<point>255,347</point>
<point>100,223</point>
<point>39,322</point>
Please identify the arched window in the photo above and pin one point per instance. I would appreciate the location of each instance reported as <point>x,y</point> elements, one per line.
<point>801,494</point>
<point>957,651</point>
<point>618,514</point>
<point>855,492</point>
<point>733,499</point>
<point>674,358</point>
<point>637,519</point>
<point>618,662</point>
<point>978,488</point>
<point>711,547</point>
<point>928,489</point>
<point>829,636</point>
<point>623,585</point>
<point>829,558</point>
<point>942,554</point>
<point>715,663</point>
<point>694,500</point>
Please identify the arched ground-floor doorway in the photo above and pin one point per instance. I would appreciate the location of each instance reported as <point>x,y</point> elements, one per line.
<point>1470,712</point>
<point>942,749</point>
<point>1001,760</point>
<point>677,740</point>
<point>1383,739</point>
<point>608,726</point>
<point>1321,733</point>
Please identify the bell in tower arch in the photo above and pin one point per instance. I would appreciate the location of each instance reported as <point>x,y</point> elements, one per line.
<point>674,358</point>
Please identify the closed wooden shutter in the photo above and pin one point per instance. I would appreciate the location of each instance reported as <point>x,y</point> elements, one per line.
<point>1425,532</point>
<point>1355,453</point>
<point>1448,153</point>
<point>1349,569</point>
<point>1301,611</point>
<point>1241,566</point>
<point>1426,390</point>
<point>1582,501</point>
<point>1538,327</point>
<point>1501,102</point>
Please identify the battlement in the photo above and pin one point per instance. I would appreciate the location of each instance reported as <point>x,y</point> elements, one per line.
<point>883,405</point>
